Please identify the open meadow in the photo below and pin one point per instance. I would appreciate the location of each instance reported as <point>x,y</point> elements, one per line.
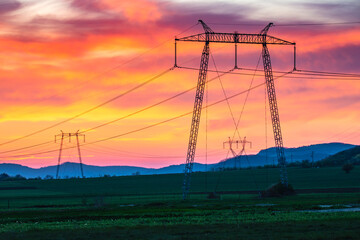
<point>326,206</point>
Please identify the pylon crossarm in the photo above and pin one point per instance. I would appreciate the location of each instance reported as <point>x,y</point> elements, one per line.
<point>234,38</point>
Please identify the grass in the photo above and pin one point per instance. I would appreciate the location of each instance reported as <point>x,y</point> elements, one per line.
<point>246,179</point>
<point>150,207</point>
<point>224,219</point>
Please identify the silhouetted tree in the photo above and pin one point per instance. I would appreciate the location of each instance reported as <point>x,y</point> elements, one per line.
<point>19,177</point>
<point>305,164</point>
<point>347,167</point>
<point>48,177</point>
<point>4,176</point>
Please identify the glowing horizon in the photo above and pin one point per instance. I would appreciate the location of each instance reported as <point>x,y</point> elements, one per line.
<point>62,58</point>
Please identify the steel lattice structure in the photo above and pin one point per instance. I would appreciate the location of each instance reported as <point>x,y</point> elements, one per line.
<point>236,38</point>
<point>274,111</point>
<point>62,135</point>
<point>243,143</point>
<point>197,112</point>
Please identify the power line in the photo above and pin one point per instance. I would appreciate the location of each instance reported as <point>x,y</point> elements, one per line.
<point>336,78</point>
<point>297,77</point>
<point>223,90</point>
<point>149,107</point>
<point>91,109</point>
<point>316,24</point>
<point>307,72</point>
<point>121,118</point>
<point>146,127</point>
<point>313,73</point>
<point>98,76</point>
<point>145,157</point>
<point>223,162</point>
<point>116,150</point>
<point>62,121</point>
<point>156,124</point>
<point>286,25</point>
<point>27,147</point>
<point>247,96</point>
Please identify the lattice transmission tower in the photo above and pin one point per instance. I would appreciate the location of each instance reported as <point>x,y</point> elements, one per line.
<point>235,144</point>
<point>63,135</point>
<point>262,38</point>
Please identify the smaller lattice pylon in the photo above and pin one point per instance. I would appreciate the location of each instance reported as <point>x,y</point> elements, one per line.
<point>63,135</point>
<point>235,143</point>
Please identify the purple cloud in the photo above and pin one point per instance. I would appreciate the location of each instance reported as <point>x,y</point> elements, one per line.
<point>340,59</point>
<point>7,6</point>
<point>89,5</point>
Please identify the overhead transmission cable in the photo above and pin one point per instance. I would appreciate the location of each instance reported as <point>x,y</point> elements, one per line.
<point>313,73</point>
<point>100,105</point>
<point>121,118</point>
<point>101,125</point>
<point>324,73</point>
<point>91,109</point>
<point>337,78</point>
<point>225,95</point>
<point>316,24</point>
<point>149,126</point>
<point>48,142</point>
<point>246,97</point>
<point>27,147</point>
<point>287,25</point>
<point>118,66</point>
<point>223,162</point>
<point>143,157</point>
<point>148,107</point>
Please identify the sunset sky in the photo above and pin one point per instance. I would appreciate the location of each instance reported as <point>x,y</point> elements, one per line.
<point>60,58</point>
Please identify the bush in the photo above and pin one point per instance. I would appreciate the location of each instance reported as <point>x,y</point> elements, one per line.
<point>213,195</point>
<point>306,164</point>
<point>4,176</point>
<point>347,167</point>
<point>48,177</point>
<point>278,190</point>
<point>19,177</point>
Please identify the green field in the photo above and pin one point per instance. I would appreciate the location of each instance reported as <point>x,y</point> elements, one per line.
<point>150,207</point>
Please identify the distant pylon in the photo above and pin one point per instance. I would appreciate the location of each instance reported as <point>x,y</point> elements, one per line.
<point>243,142</point>
<point>69,135</point>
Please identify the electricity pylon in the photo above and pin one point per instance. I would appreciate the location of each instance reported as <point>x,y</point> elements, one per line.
<point>232,142</point>
<point>235,38</point>
<point>69,135</point>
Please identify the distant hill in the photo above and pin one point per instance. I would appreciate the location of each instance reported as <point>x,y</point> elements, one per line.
<point>70,169</point>
<point>351,155</point>
<point>320,151</point>
<point>268,156</point>
<point>264,157</point>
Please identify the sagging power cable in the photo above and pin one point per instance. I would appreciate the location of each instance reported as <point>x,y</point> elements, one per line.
<point>143,128</point>
<point>121,118</point>
<point>91,109</point>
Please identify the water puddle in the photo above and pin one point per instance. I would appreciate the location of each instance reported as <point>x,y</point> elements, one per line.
<point>127,205</point>
<point>264,205</point>
<point>333,210</point>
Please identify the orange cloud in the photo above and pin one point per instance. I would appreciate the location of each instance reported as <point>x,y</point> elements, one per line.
<point>73,65</point>
<point>139,11</point>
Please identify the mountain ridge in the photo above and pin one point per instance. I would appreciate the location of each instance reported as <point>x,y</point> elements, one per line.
<point>316,152</point>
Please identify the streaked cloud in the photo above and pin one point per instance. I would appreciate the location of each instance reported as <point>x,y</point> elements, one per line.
<point>60,58</point>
